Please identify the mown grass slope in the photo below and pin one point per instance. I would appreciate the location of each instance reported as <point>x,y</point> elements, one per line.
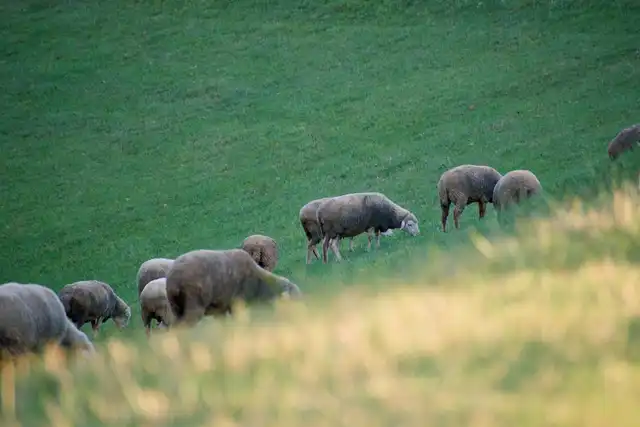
<point>527,346</point>
<point>132,130</point>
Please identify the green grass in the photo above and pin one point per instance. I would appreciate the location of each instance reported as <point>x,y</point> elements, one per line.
<point>528,346</point>
<point>133,130</point>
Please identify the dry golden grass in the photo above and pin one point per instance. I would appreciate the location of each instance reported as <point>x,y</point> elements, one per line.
<point>526,347</point>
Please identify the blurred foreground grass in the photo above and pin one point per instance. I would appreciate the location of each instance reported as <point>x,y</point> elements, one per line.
<point>538,329</point>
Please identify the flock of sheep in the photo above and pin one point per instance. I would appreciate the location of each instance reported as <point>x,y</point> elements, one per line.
<point>207,282</point>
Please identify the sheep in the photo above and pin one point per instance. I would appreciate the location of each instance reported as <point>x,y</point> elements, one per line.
<point>464,185</point>
<point>95,302</point>
<point>263,250</point>
<point>206,282</point>
<point>311,227</point>
<point>623,141</point>
<point>155,305</point>
<point>152,269</point>
<point>352,214</point>
<point>513,187</point>
<point>31,318</point>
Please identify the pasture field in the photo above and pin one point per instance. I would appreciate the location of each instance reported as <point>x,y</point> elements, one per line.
<point>133,130</point>
<point>552,340</point>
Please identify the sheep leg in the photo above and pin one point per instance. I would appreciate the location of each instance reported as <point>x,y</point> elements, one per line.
<point>351,244</point>
<point>378,239</point>
<point>95,326</point>
<point>457,211</point>
<point>445,214</point>
<point>369,238</point>
<point>325,249</point>
<point>482,209</point>
<point>336,249</point>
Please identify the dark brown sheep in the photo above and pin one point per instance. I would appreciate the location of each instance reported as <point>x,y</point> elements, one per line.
<point>208,282</point>
<point>32,317</point>
<point>152,269</point>
<point>95,302</point>
<point>464,185</point>
<point>624,141</point>
<point>263,250</point>
<point>352,214</point>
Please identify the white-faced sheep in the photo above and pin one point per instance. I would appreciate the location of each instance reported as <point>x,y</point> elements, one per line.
<point>155,305</point>
<point>311,227</point>
<point>263,250</point>
<point>95,302</point>
<point>352,214</point>
<point>32,317</point>
<point>152,269</point>
<point>207,282</point>
<point>623,141</point>
<point>513,187</point>
<point>464,185</point>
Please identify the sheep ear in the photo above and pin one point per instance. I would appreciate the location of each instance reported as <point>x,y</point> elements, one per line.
<point>404,222</point>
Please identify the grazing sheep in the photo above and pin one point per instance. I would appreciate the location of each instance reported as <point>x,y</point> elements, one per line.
<point>513,187</point>
<point>623,141</point>
<point>32,317</point>
<point>154,304</point>
<point>93,301</point>
<point>463,185</point>
<point>352,214</point>
<point>152,269</point>
<point>311,227</point>
<point>263,250</point>
<point>207,282</point>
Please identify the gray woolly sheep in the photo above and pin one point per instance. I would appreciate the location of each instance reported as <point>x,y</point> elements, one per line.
<point>152,269</point>
<point>207,282</point>
<point>623,141</point>
<point>95,302</point>
<point>32,317</point>
<point>311,227</point>
<point>352,214</point>
<point>263,250</point>
<point>155,305</point>
<point>464,185</point>
<point>513,187</point>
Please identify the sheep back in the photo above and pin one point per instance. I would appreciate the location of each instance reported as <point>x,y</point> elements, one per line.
<point>31,317</point>
<point>514,186</point>
<point>352,214</point>
<point>466,184</point>
<point>204,281</point>
<point>263,250</point>
<point>623,141</point>
<point>152,269</point>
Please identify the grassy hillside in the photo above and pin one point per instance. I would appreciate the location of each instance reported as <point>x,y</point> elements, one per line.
<point>132,130</point>
<point>527,346</point>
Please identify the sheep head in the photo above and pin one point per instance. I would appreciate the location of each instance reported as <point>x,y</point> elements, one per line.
<point>124,314</point>
<point>410,224</point>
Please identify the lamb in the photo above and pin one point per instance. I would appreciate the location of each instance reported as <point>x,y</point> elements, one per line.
<point>623,141</point>
<point>207,282</point>
<point>352,214</point>
<point>513,187</point>
<point>155,305</point>
<point>95,302</point>
<point>263,250</point>
<point>311,227</point>
<point>152,269</point>
<point>463,185</point>
<point>31,318</point>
